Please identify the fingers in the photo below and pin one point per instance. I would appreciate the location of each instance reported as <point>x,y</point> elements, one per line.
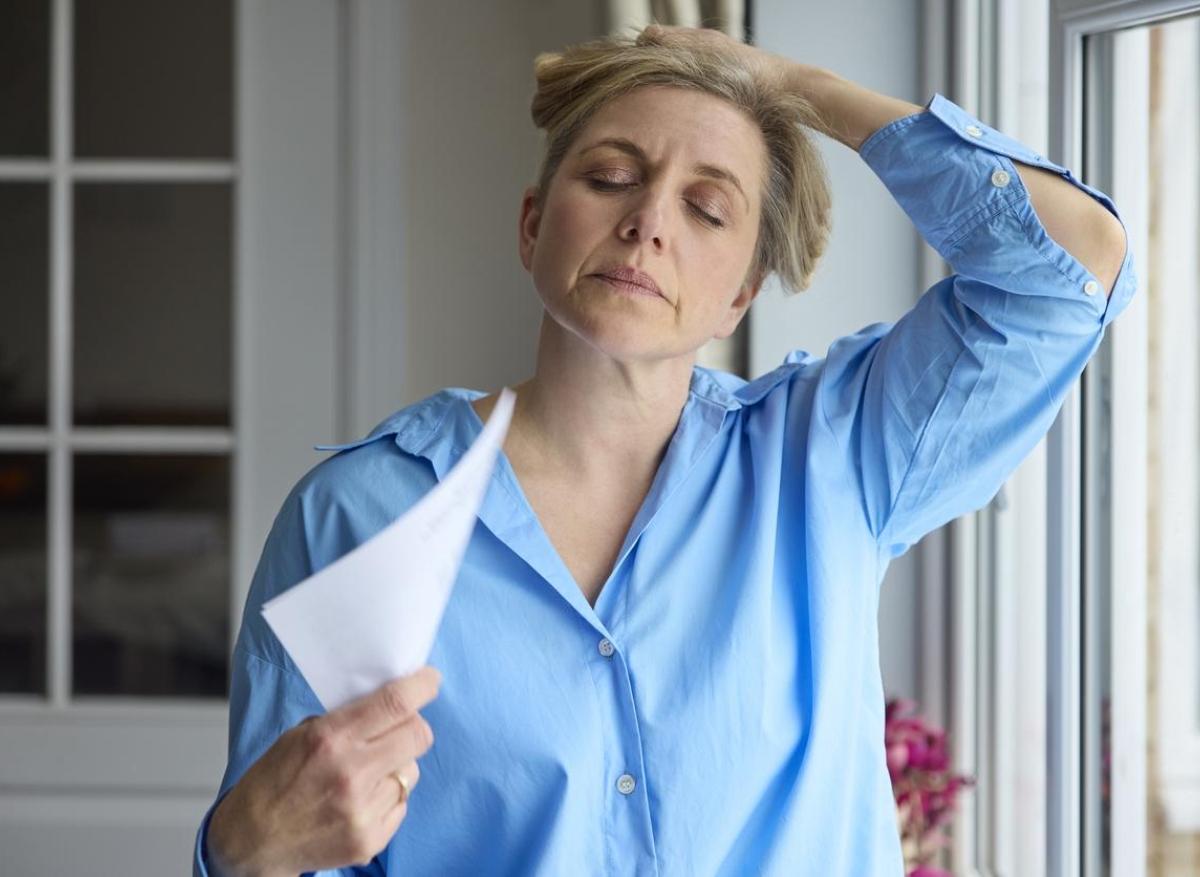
<point>392,804</point>
<point>388,792</point>
<point>388,801</point>
<point>388,706</point>
<point>402,744</point>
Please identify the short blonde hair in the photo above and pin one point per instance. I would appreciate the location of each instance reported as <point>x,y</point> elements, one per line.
<point>796,218</point>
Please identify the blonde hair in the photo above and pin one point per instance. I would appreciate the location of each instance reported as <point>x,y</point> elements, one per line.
<point>796,218</point>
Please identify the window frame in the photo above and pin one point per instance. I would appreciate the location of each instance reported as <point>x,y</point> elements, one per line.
<point>1078,554</point>
<point>1023,620</point>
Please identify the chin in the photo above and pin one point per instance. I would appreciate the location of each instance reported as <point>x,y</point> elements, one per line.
<point>622,336</point>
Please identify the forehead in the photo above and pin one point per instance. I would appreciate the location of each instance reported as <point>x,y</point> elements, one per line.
<point>692,125</point>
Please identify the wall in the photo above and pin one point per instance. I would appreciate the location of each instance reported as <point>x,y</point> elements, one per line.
<point>469,149</point>
<point>870,271</point>
<point>472,314</point>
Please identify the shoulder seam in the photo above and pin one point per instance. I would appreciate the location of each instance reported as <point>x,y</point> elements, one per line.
<point>249,654</point>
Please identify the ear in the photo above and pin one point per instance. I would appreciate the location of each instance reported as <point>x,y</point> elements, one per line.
<point>527,227</point>
<point>738,307</point>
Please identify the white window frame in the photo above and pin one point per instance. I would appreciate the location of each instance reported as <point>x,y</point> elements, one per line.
<point>984,577</point>
<point>1178,610</point>
<point>1014,609</point>
<point>1072,828</point>
<point>1114,497</point>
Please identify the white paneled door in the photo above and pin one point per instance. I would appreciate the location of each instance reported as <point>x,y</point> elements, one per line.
<point>170,273</point>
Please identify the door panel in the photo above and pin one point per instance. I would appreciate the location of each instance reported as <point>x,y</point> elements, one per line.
<point>153,486</point>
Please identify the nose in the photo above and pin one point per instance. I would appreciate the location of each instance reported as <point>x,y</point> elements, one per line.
<point>645,222</point>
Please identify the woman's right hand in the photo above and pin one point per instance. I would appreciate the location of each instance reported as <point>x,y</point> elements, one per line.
<point>325,795</point>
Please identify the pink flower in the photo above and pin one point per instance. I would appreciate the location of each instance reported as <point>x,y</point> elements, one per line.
<point>918,761</point>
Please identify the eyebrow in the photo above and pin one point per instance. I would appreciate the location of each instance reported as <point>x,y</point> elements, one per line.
<point>712,171</point>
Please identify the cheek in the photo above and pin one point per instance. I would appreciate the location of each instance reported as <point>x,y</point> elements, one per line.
<point>570,234</point>
<point>716,271</point>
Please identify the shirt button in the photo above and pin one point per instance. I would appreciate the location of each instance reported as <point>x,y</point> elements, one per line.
<point>626,784</point>
<point>1091,287</point>
<point>974,131</point>
<point>1000,179</point>
<point>606,648</point>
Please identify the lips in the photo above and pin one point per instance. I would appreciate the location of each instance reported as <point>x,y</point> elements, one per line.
<point>629,274</point>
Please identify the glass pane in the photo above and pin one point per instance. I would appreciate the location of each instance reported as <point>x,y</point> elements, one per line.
<point>151,582</point>
<point>24,276</point>
<point>23,573</point>
<point>25,78</point>
<point>154,79</point>
<point>1172,281</point>
<point>1151,78</point>
<point>152,303</point>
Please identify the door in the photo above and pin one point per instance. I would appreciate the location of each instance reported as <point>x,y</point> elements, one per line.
<point>169,315</point>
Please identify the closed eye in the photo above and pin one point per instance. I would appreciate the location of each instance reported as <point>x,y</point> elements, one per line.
<point>608,186</point>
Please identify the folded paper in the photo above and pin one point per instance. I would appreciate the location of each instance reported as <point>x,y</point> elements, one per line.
<point>373,614</point>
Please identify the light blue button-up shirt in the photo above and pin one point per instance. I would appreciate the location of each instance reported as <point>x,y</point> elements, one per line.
<point>720,710</point>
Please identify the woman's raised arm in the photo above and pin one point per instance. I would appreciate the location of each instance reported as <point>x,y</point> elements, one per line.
<point>933,413</point>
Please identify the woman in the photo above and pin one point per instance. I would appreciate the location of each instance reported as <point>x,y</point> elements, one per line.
<point>660,655</point>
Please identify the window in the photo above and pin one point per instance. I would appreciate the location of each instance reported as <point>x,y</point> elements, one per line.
<point>1075,689</point>
<point>1142,437</point>
<point>116,205</point>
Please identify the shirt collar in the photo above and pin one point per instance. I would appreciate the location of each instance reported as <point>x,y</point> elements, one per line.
<point>427,429</point>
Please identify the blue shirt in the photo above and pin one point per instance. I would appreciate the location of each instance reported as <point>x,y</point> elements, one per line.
<point>720,710</point>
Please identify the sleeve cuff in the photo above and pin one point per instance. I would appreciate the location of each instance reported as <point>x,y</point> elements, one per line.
<point>954,177</point>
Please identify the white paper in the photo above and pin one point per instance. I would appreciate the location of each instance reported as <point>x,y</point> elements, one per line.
<point>373,614</point>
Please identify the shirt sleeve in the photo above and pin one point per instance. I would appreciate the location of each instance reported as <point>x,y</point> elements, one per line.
<point>939,408</point>
<point>267,694</point>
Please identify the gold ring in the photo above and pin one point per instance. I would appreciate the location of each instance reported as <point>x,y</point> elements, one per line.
<point>404,789</point>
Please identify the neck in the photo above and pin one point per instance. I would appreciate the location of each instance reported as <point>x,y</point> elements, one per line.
<point>585,413</point>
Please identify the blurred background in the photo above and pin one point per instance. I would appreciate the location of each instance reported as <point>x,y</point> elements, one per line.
<point>233,229</point>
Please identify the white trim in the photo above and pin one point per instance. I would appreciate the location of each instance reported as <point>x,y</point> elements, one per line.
<point>964,676</point>
<point>245,201</point>
<point>58,546</point>
<point>120,170</point>
<point>31,711</point>
<point>287,273</point>
<point>1028,586</point>
<point>1176,284</point>
<point>153,171</point>
<point>25,169</point>
<point>373,317</point>
<point>151,440</point>
<point>134,832</point>
<point>101,766</point>
<point>1019,574</point>
<point>1071,21</point>
<point>934,691</point>
<point>1000,586</point>
<point>1125,553</point>
<point>1063,657</point>
<point>1097,16</point>
<point>24,438</point>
